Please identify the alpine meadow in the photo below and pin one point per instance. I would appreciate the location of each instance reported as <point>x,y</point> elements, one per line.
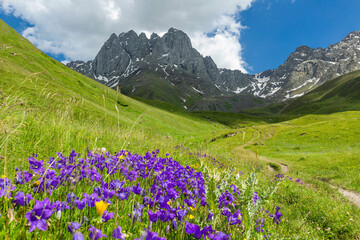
<point>154,157</point>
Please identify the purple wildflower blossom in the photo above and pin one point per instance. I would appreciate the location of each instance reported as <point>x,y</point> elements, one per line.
<point>255,198</point>
<point>153,216</point>
<point>73,226</point>
<point>39,214</point>
<point>107,216</point>
<point>95,233</point>
<point>73,229</point>
<point>221,236</point>
<point>153,236</point>
<point>259,225</point>
<point>80,204</point>
<point>225,199</point>
<point>6,187</point>
<point>210,216</point>
<point>193,229</point>
<point>22,199</point>
<point>36,166</point>
<point>117,234</point>
<point>234,219</point>
<point>276,216</point>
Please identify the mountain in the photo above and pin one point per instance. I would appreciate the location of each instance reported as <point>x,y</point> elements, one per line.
<point>336,95</point>
<point>169,69</point>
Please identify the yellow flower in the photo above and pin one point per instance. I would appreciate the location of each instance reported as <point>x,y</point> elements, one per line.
<point>191,217</point>
<point>101,207</point>
<point>36,183</point>
<point>193,209</point>
<point>169,202</point>
<point>3,176</point>
<point>126,153</point>
<point>121,157</point>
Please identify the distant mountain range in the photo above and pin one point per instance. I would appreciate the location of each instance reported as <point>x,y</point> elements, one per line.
<point>169,69</point>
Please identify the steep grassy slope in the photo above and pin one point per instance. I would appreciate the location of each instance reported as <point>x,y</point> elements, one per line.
<point>337,95</point>
<point>43,94</point>
<point>48,108</point>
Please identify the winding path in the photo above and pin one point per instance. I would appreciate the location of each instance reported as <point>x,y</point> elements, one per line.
<point>240,150</point>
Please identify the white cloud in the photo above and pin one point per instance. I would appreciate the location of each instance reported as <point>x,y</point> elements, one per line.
<point>78,29</point>
<point>223,46</point>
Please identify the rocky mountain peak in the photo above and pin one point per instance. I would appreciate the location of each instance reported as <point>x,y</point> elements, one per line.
<point>304,49</point>
<point>154,36</point>
<point>173,60</point>
<point>113,36</point>
<point>353,35</point>
<point>176,40</point>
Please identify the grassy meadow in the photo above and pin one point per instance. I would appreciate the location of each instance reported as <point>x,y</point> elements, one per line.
<point>46,108</point>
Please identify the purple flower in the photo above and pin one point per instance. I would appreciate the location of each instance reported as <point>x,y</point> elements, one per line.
<point>6,187</point>
<point>90,200</point>
<point>39,214</point>
<point>234,219</point>
<point>117,234</point>
<point>36,166</point>
<point>137,213</point>
<point>107,194</point>
<point>209,217</point>
<point>61,206</point>
<point>279,177</point>
<point>276,216</point>
<point>71,197</point>
<point>225,199</point>
<point>95,233</point>
<point>94,175</point>
<point>107,216</point>
<point>81,204</point>
<point>174,223</point>
<point>137,189</point>
<point>207,232</point>
<point>164,215</point>
<point>73,226</point>
<point>153,236</point>
<point>78,236</point>
<point>23,177</point>
<point>235,189</point>
<point>226,212</point>
<point>22,199</point>
<point>124,193</point>
<point>259,225</point>
<point>221,236</point>
<point>153,216</point>
<point>193,229</point>
<point>203,202</point>
<point>181,214</point>
<point>190,202</point>
<point>73,229</point>
<point>255,198</point>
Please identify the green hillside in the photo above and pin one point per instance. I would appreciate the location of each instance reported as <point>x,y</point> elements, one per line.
<point>48,108</point>
<point>41,93</point>
<point>336,95</point>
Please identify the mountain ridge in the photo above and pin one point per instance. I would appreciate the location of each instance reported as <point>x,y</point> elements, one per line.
<point>172,57</point>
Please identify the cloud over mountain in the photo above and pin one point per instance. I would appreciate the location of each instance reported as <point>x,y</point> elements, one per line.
<point>78,28</point>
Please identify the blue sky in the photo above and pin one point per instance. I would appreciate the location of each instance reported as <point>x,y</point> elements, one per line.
<point>274,28</point>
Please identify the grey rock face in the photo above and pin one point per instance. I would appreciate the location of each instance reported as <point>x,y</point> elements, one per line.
<point>172,57</point>
<point>307,68</point>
